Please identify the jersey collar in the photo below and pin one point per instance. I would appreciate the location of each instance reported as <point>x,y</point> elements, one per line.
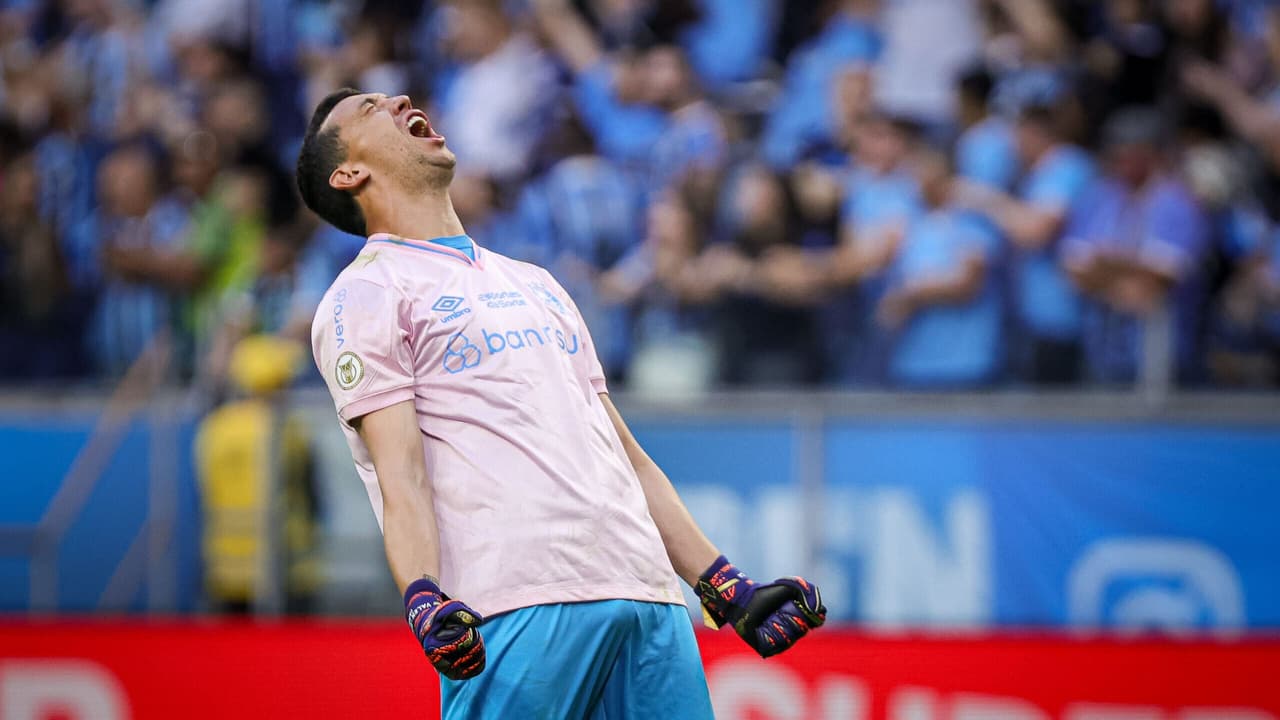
<point>431,247</point>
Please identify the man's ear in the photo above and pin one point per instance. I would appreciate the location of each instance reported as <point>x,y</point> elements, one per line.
<point>348,177</point>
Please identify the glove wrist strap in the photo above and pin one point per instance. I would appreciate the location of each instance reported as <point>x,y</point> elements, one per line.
<point>717,588</point>
<point>420,598</point>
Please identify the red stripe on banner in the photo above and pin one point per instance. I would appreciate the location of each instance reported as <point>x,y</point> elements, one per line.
<point>217,669</point>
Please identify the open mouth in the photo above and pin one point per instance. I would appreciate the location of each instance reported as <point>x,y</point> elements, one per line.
<point>419,126</point>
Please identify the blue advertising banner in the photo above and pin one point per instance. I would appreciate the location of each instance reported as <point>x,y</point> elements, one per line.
<point>969,524</point>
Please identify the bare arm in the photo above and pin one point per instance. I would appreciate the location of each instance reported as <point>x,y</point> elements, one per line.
<point>175,270</point>
<point>690,551</point>
<point>409,529</point>
<point>1039,27</point>
<point>897,306</point>
<point>1251,118</point>
<point>1030,227</point>
<point>568,34</point>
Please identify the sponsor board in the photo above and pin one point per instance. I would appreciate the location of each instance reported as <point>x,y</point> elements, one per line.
<point>214,669</point>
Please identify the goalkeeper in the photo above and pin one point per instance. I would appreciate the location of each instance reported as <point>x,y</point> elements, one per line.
<point>536,543</point>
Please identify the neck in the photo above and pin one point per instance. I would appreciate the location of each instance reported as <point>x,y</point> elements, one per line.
<point>418,216</point>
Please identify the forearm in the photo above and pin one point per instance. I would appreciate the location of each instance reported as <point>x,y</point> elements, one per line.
<point>950,289</point>
<point>769,617</point>
<point>1249,117</point>
<point>412,541</point>
<point>568,34</point>
<point>689,550</point>
<point>409,531</point>
<point>860,255</point>
<point>1028,226</point>
<point>1036,22</point>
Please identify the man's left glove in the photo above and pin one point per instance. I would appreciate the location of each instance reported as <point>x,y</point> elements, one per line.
<point>447,629</point>
<point>770,618</point>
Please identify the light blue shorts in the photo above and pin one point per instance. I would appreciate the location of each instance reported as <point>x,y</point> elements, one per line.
<point>606,660</point>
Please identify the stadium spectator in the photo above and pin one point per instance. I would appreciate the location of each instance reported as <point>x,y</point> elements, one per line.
<point>101,46</point>
<point>579,219</point>
<point>1245,350</point>
<point>221,240</point>
<point>941,304</point>
<point>135,231</point>
<point>289,278</point>
<point>50,113</point>
<point>985,151</point>
<point>762,340</point>
<point>802,117</point>
<point>1126,62</point>
<point>496,106</point>
<point>41,313</point>
<point>234,113</point>
<point>1028,50</point>
<point>673,352</point>
<point>1254,117</point>
<point>926,44</point>
<point>1046,304</point>
<point>1134,247</point>
<point>609,90</point>
<point>645,108</point>
<point>694,147</point>
<point>881,199</point>
<point>732,40</point>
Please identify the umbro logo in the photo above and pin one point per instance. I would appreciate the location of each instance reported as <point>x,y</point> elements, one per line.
<point>447,303</point>
<point>451,304</point>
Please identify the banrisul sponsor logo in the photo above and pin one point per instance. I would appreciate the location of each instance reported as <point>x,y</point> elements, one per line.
<point>464,353</point>
<point>452,305</point>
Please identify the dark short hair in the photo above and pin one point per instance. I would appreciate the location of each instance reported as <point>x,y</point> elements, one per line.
<point>322,152</point>
<point>976,82</point>
<point>1045,115</point>
<point>1135,125</point>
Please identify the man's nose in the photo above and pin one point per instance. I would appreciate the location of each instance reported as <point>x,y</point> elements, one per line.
<point>398,104</point>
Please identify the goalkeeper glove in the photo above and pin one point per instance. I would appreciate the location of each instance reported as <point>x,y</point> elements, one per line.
<point>771,617</point>
<point>447,629</point>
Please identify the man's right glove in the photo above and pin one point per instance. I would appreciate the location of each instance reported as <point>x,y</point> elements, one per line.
<point>448,630</point>
<point>771,617</point>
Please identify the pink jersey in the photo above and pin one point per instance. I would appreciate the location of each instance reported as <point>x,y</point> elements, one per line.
<point>534,496</point>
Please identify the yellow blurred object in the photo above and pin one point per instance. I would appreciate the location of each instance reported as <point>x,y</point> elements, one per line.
<point>234,464</point>
<point>263,364</point>
<point>233,459</point>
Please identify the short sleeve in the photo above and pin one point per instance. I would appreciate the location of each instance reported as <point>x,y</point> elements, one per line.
<point>1176,233</point>
<point>626,131</point>
<point>1057,187</point>
<point>1087,221</point>
<point>986,154</point>
<point>361,341</point>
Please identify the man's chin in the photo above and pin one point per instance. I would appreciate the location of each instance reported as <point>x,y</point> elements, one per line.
<point>445,159</point>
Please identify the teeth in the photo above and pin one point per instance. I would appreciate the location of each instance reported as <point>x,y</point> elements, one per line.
<point>418,126</point>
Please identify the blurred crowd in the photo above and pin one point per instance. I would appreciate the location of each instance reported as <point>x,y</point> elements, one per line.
<point>939,194</point>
